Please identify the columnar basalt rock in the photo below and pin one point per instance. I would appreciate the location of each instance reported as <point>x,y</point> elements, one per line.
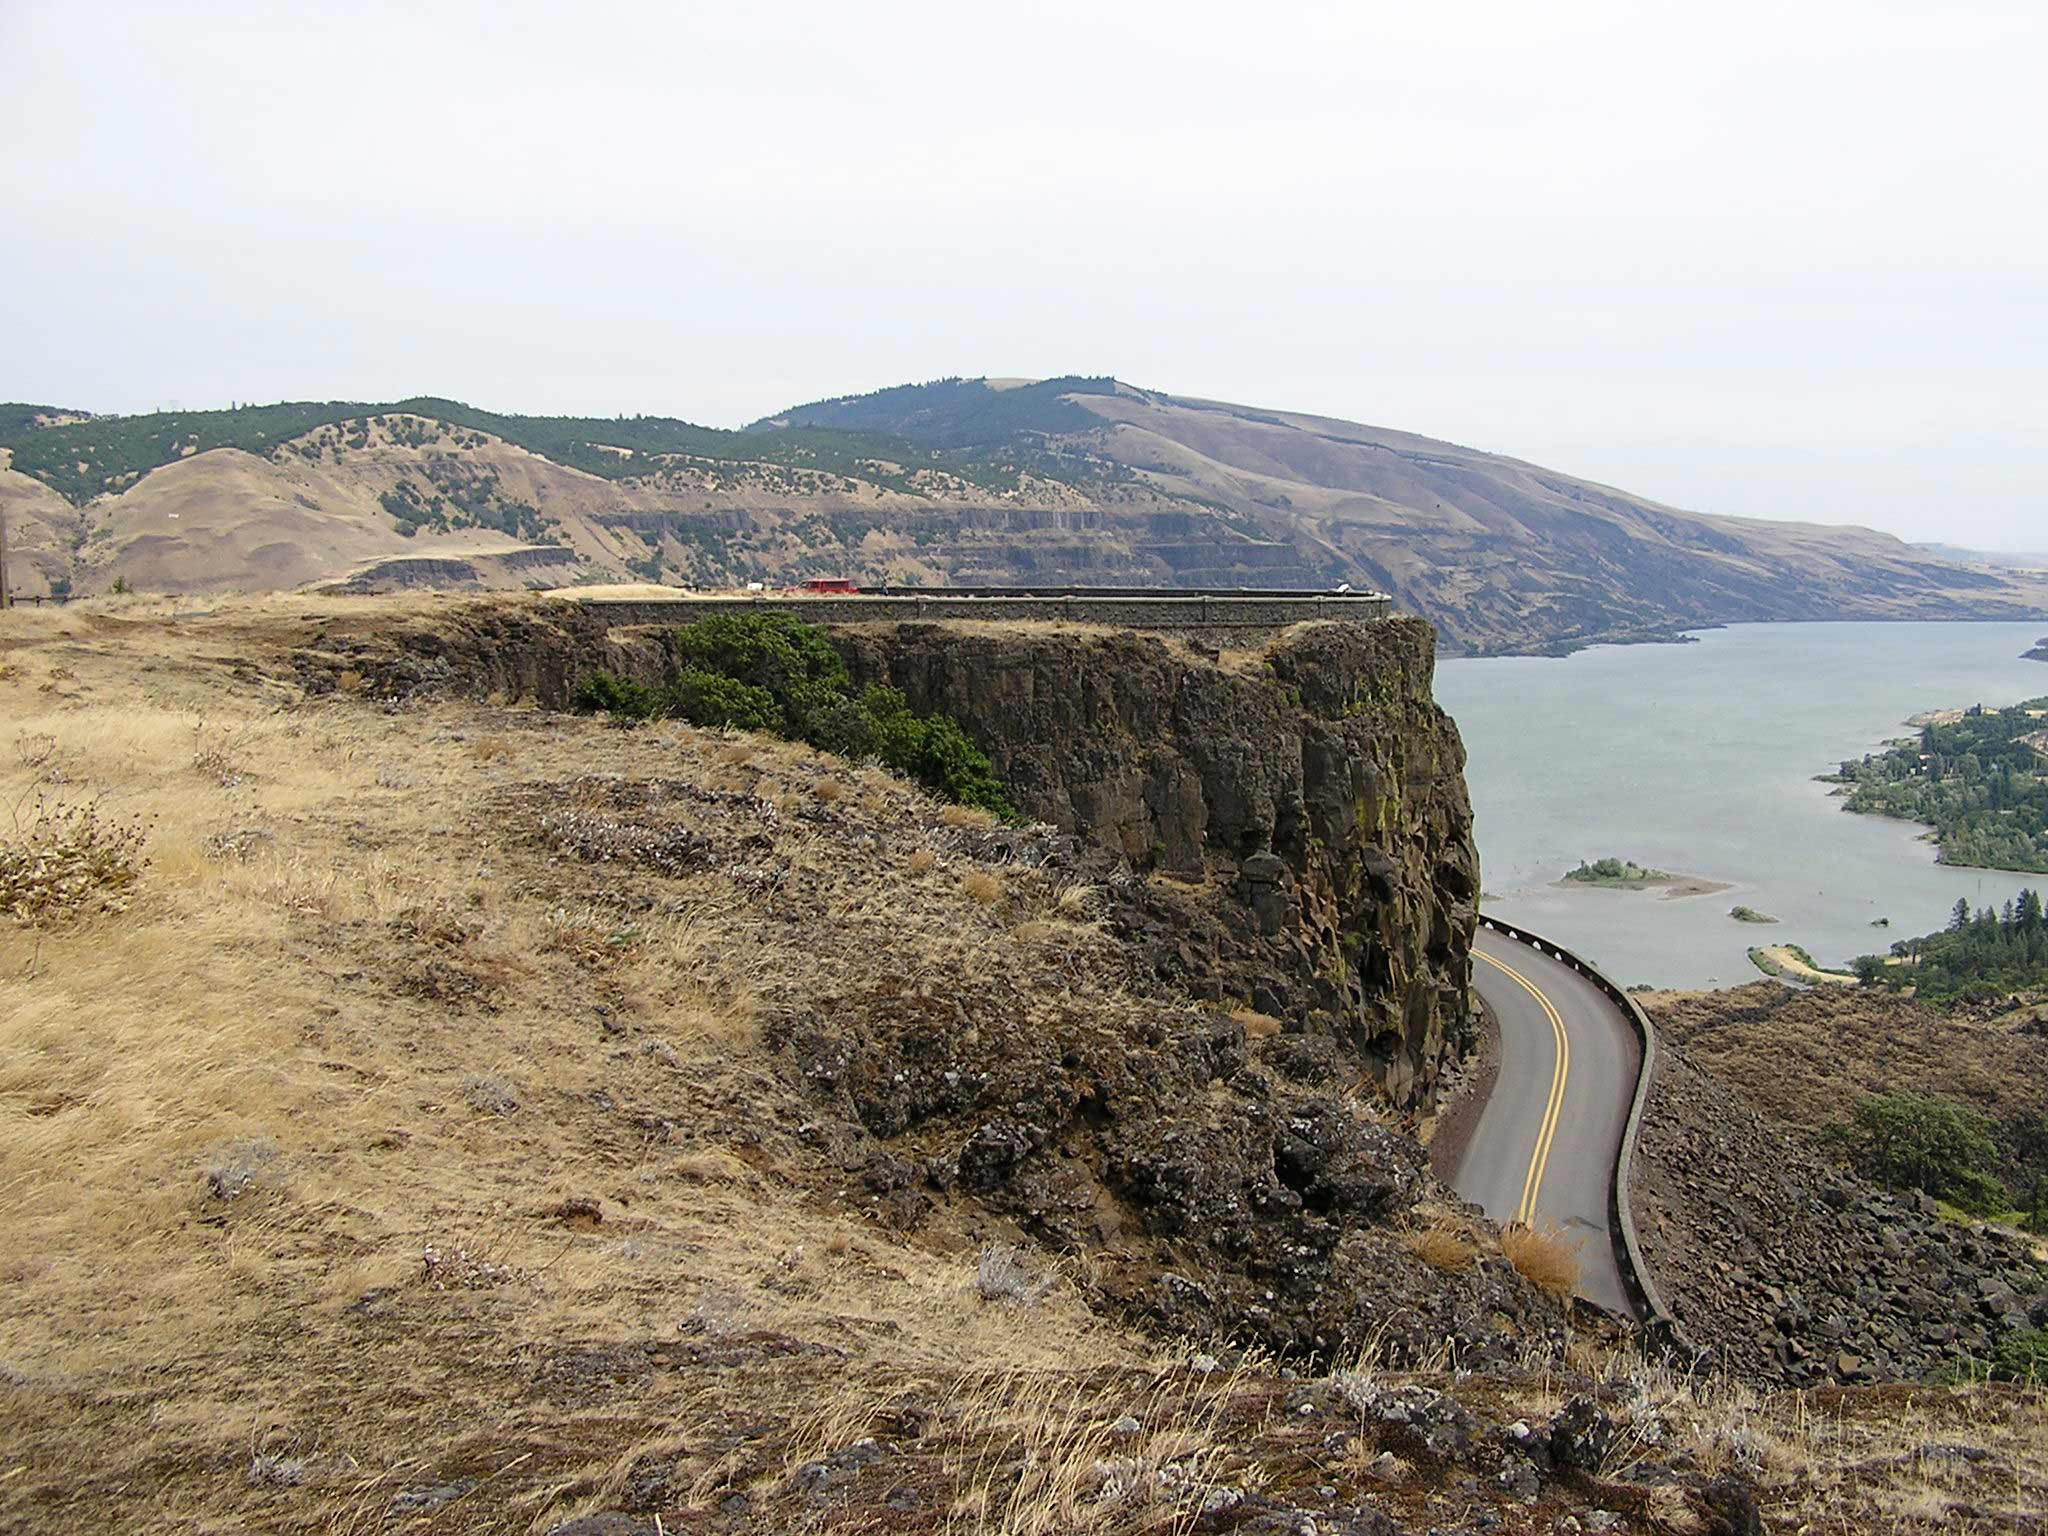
<point>1298,827</point>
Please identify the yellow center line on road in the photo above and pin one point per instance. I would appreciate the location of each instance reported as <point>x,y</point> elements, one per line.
<point>1539,1158</point>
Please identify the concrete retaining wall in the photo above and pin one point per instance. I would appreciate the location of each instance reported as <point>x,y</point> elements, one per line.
<point>1133,609</point>
<point>1635,1273</point>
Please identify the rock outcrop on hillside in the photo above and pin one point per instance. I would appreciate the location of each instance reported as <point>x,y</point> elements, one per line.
<point>1798,1273</point>
<point>1301,828</point>
<point>1221,1173</point>
<point>1293,837</point>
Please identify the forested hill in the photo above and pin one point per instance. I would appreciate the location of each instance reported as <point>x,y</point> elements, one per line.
<point>1076,479</point>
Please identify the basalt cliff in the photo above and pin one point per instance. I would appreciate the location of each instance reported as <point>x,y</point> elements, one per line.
<point>1288,833</point>
<point>1300,826</point>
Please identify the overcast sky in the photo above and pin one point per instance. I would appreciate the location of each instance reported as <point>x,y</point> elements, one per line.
<point>1778,260</point>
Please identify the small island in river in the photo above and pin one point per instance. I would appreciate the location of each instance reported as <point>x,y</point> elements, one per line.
<point>2038,653</point>
<point>1626,875</point>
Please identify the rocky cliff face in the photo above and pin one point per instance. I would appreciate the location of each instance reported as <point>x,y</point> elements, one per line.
<point>1299,830</point>
<point>1292,836</point>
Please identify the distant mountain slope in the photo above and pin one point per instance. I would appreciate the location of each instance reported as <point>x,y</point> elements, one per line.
<point>1998,559</point>
<point>960,480</point>
<point>1500,553</point>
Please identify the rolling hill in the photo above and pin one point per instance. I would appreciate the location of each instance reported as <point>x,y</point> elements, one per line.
<point>960,480</point>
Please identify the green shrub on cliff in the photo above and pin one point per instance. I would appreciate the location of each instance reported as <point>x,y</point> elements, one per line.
<point>2022,1356</point>
<point>771,672</point>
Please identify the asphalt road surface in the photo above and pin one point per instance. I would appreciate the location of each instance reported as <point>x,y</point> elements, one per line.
<point>1543,1151</point>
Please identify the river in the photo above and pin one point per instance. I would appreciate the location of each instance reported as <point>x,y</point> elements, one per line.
<point>1699,759</point>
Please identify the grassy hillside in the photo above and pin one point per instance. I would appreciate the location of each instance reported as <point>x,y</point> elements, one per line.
<point>109,453</point>
<point>516,1081</point>
<point>1082,480</point>
<point>954,413</point>
<point>1500,554</point>
<point>18,419</point>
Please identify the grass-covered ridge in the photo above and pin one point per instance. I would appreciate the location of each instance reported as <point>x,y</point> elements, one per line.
<point>19,418</point>
<point>1981,781</point>
<point>84,459</point>
<point>772,672</point>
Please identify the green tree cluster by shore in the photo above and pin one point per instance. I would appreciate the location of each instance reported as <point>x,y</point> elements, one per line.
<point>1979,957</point>
<point>1612,871</point>
<point>1978,781</point>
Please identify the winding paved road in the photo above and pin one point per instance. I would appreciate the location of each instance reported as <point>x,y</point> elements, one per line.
<point>1543,1151</point>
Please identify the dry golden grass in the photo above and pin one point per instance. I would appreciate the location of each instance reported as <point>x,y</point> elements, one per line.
<point>982,887</point>
<point>1442,1246</point>
<point>357,1154</point>
<point>829,790</point>
<point>1257,1026</point>
<point>347,1024</point>
<point>1545,1259</point>
<point>922,861</point>
<point>966,816</point>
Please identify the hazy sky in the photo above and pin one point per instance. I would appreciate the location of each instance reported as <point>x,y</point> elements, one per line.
<point>1781,260</point>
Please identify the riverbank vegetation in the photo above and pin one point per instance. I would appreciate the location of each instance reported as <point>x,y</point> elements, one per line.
<point>1743,914</point>
<point>1981,956</point>
<point>1791,960</point>
<point>1980,780</point>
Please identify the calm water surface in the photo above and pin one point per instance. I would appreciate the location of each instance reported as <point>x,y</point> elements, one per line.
<point>1700,759</point>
